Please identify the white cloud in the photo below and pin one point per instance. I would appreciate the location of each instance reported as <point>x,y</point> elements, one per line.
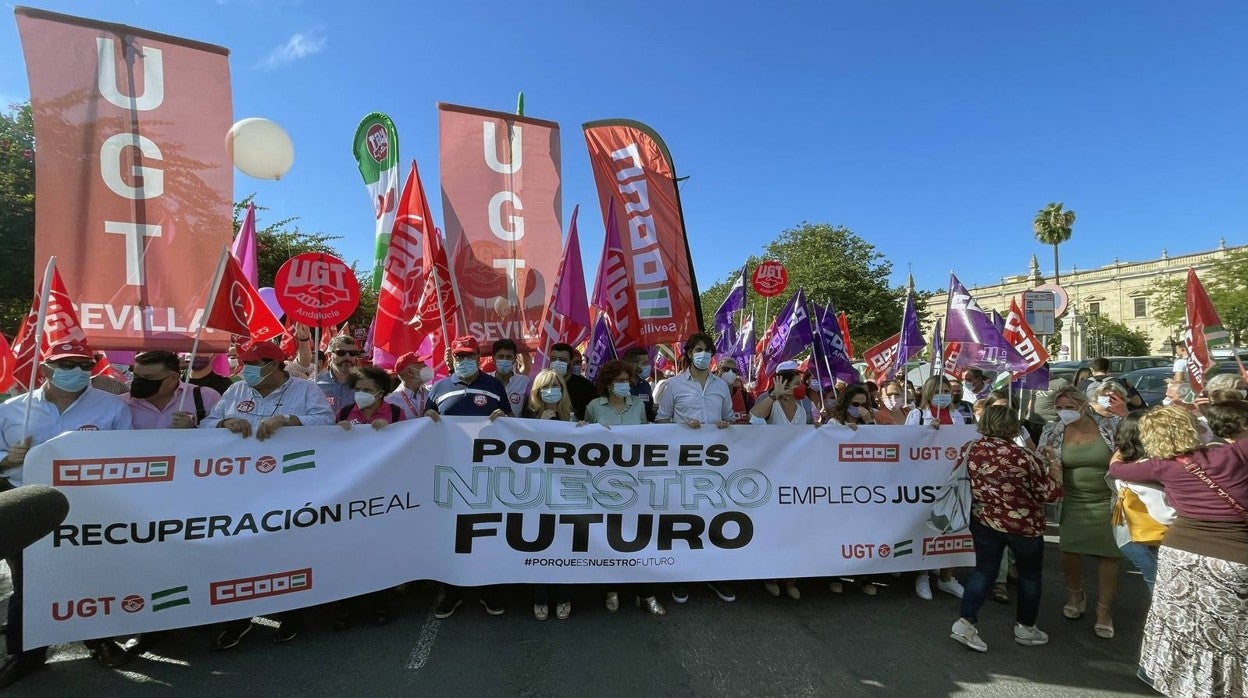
<point>299,45</point>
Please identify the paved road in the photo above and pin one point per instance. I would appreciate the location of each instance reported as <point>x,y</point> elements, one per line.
<point>850,645</point>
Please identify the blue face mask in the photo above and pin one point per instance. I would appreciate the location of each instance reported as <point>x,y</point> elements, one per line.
<point>504,365</point>
<point>466,368</point>
<point>644,372</point>
<point>621,389</point>
<point>701,360</point>
<point>942,400</point>
<point>71,380</point>
<point>551,396</point>
<point>253,375</point>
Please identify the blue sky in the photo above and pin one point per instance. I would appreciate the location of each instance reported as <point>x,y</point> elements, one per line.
<point>934,130</point>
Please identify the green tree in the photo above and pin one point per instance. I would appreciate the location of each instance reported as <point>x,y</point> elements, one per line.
<point>1104,337</point>
<point>1053,226</point>
<point>831,263</point>
<point>17,214</point>
<point>1226,282</point>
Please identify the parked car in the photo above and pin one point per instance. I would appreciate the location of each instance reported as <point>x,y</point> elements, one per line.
<point>1151,382</point>
<point>1118,365</point>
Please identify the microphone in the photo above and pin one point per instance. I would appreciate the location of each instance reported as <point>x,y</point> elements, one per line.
<point>28,514</point>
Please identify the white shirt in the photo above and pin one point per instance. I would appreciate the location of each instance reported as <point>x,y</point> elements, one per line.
<point>517,391</point>
<point>926,416</point>
<point>298,370</point>
<point>683,400</point>
<point>297,396</point>
<point>411,403</point>
<point>1180,367</point>
<point>777,416</point>
<point>94,410</point>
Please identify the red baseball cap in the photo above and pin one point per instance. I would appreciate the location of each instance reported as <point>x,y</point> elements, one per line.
<point>73,349</point>
<point>466,344</point>
<point>261,351</point>
<point>409,359</point>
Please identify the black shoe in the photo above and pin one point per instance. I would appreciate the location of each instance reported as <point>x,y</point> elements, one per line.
<point>447,606</point>
<point>287,630</point>
<point>231,636</point>
<point>138,644</point>
<point>723,591</point>
<point>493,606</point>
<point>17,667</point>
<point>341,622</point>
<point>109,654</point>
<point>680,594</point>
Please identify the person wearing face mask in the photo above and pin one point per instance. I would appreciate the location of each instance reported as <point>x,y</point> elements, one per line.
<point>893,405</point>
<point>344,355</point>
<point>1082,441</point>
<point>517,384</point>
<point>203,375</point>
<point>158,400</point>
<point>935,408</point>
<point>265,401</point>
<point>975,385</point>
<point>548,399</point>
<point>694,397</point>
<point>467,393</point>
<point>617,406</point>
<point>577,366</point>
<point>580,390</point>
<point>957,390</point>
<point>639,359</point>
<point>1107,399</point>
<point>65,402</point>
<point>742,401</point>
<point>414,376</point>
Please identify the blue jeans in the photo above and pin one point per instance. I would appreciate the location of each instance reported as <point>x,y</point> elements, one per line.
<point>990,546</point>
<point>1144,557</point>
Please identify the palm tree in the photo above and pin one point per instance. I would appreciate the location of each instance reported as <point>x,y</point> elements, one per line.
<point>1053,227</point>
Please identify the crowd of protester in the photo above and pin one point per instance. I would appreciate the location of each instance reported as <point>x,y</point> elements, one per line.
<point>1088,450</point>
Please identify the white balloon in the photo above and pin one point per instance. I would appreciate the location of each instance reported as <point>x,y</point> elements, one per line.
<point>260,148</point>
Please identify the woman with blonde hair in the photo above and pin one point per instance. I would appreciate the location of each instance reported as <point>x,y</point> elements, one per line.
<point>549,399</point>
<point>1196,636</point>
<point>1082,441</point>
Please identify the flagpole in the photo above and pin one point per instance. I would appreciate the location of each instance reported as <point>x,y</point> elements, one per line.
<point>437,285</point>
<point>815,332</point>
<point>39,333</point>
<point>203,319</point>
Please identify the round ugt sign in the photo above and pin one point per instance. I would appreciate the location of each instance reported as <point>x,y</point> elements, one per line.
<point>317,289</point>
<point>770,279</point>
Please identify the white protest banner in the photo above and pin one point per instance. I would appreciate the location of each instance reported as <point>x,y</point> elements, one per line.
<point>172,529</point>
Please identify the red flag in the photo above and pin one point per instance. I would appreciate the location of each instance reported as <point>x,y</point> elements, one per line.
<point>844,323</point>
<point>60,325</point>
<point>104,367</point>
<point>613,289</point>
<point>403,276</point>
<point>238,308</point>
<point>1018,333</point>
<point>8,364</point>
<point>882,358</point>
<point>436,310</point>
<point>1202,328</point>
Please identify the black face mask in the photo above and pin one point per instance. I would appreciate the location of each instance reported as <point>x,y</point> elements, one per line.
<point>142,387</point>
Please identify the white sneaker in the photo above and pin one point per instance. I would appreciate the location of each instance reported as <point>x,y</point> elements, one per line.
<point>1029,635</point>
<point>966,633</point>
<point>923,586</point>
<point>952,587</point>
<point>772,588</point>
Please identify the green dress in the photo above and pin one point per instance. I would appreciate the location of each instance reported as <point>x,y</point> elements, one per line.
<point>1085,523</point>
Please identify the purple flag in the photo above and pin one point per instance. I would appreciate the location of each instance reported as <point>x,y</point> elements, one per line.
<point>735,302</point>
<point>998,320</point>
<point>938,348</point>
<point>244,249</point>
<point>613,288</point>
<point>1037,379</point>
<point>600,350</point>
<point>982,345</point>
<point>743,352</point>
<point>910,341</point>
<point>792,334</point>
<point>830,355</point>
<point>567,318</point>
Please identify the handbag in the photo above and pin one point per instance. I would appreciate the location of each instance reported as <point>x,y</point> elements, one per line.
<point>951,511</point>
<point>1199,472</point>
<point>1132,513</point>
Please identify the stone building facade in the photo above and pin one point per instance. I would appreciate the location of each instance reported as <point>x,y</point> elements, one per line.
<point>1118,291</point>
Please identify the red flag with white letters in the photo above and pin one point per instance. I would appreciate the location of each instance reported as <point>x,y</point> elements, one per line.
<point>1018,333</point>
<point>237,307</point>
<point>60,326</point>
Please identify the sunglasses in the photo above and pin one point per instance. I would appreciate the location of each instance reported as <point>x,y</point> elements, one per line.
<point>67,364</point>
<point>348,352</point>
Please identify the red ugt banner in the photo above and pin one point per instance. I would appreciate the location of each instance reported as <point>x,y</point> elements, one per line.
<point>502,203</point>
<point>134,187</point>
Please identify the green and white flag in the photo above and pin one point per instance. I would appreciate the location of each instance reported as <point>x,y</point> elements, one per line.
<point>376,148</point>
